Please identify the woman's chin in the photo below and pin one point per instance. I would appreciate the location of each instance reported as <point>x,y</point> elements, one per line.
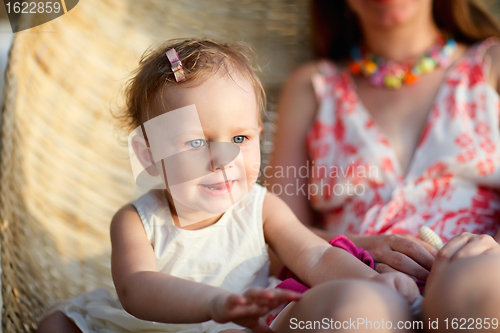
<point>386,14</point>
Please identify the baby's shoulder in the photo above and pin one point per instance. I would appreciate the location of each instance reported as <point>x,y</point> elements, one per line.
<point>146,211</point>
<point>272,204</point>
<point>126,212</point>
<point>153,202</point>
<point>124,221</point>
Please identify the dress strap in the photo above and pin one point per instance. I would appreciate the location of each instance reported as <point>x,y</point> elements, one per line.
<point>325,68</point>
<point>152,209</point>
<point>479,59</point>
<point>481,48</point>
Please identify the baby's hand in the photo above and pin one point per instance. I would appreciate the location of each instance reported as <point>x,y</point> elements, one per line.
<point>400,282</point>
<point>246,309</point>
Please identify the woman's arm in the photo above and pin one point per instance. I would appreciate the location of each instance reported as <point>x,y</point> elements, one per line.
<point>296,110</point>
<point>494,81</point>
<point>493,53</point>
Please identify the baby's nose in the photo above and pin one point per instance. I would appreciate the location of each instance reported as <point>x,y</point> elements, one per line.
<point>222,154</point>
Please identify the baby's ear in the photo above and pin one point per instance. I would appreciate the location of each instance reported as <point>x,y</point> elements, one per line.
<point>144,155</point>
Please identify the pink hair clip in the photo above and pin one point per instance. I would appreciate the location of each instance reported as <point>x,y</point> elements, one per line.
<point>173,57</point>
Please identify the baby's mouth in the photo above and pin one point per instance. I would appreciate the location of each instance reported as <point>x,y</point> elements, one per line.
<point>219,186</point>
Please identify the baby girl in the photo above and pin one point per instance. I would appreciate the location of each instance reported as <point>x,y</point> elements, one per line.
<point>191,254</point>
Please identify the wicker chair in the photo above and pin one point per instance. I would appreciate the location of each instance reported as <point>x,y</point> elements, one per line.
<point>64,169</point>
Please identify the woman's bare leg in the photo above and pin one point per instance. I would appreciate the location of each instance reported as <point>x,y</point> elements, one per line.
<point>466,288</point>
<point>354,303</point>
<point>57,323</point>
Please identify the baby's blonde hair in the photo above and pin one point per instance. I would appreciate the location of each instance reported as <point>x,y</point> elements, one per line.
<point>201,59</point>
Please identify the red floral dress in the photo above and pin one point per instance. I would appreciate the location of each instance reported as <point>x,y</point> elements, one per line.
<point>453,181</point>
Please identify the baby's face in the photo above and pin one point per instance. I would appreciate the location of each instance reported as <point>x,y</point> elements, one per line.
<point>209,144</point>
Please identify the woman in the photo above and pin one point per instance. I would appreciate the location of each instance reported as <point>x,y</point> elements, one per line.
<point>393,141</point>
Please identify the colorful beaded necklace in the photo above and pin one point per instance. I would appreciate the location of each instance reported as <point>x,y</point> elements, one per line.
<point>391,74</point>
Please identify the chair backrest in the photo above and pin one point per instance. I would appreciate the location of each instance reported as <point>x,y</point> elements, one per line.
<point>64,170</point>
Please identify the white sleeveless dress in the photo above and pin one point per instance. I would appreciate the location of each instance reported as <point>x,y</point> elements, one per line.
<point>230,254</point>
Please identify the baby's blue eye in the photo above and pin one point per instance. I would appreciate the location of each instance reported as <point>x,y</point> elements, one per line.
<point>239,139</point>
<point>198,143</point>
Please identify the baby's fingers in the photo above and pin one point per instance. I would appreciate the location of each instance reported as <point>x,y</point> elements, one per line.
<point>283,295</point>
<point>271,298</point>
<point>235,300</point>
<point>259,296</point>
<point>251,310</point>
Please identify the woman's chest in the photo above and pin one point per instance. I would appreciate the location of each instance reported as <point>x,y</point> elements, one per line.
<point>402,114</point>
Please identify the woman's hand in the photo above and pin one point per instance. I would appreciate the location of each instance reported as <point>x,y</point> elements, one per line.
<point>403,253</point>
<point>400,282</point>
<point>463,246</point>
<point>246,309</point>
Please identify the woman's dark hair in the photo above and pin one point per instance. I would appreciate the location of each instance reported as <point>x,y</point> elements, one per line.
<point>335,27</point>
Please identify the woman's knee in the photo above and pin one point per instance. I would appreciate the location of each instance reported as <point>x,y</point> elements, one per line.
<point>355,305</point>
<point>466,288</point>
<point>359,299</point>
<point>57,322</point>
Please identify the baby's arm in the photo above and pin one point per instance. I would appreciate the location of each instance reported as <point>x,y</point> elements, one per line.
<point>142,290</point>
<point>312,258</point>
<point>151,295</point>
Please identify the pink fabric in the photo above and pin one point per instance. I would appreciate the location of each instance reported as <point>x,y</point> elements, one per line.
<point>292,282</point>
<point>344,243</point>
<point>293,285</point>
<point>453,181</point>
